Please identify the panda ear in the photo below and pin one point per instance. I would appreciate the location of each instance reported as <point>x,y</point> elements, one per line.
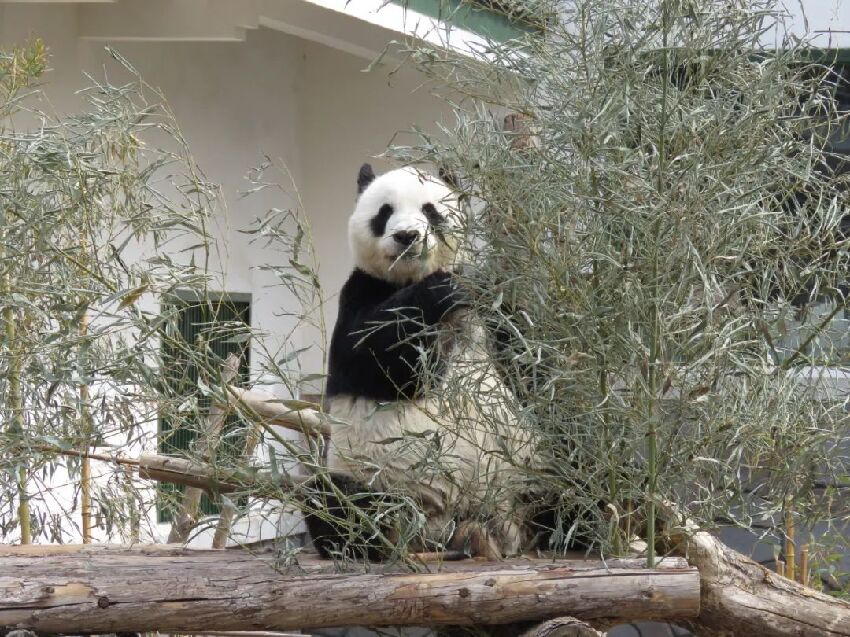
<point>365,177</point>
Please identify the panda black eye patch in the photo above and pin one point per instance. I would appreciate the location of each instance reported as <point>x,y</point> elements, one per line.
<point>378,223</point>
<point>434,217</point>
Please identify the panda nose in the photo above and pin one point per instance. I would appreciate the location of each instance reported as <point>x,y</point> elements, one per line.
<point>406,237</point>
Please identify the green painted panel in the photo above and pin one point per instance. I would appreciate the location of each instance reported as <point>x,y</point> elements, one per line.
<point>830,56</point>
<point>466,15</point>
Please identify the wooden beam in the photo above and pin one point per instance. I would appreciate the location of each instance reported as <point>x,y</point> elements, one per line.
<point>284,413</point>
<point>209,478</point>
<point>103,589</point>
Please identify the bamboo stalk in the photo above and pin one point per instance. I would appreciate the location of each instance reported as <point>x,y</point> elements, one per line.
<point>15,402</point>
<point>23,507</point>
<point>790,540</point>
<point>228,511</point>
<point>804,565</point>
<point>780,568</point>
<point>86,432</point>
<point>129,462</point>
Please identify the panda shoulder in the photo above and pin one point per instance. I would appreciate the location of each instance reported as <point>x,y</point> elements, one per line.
<point>362,289</point>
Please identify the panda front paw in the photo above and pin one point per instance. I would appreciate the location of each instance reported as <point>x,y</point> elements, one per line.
<point>448,295</point>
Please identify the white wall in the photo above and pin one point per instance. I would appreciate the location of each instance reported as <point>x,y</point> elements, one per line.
<point>827,21</point>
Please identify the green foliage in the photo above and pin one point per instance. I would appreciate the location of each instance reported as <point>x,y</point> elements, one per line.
<point>103,224</point>
<point>87,211</point>
<point>645,240</point>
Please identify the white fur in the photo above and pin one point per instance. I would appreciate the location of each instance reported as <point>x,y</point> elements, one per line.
<point>406,190</point>
<point>465,476</point>
<point>471,435</point>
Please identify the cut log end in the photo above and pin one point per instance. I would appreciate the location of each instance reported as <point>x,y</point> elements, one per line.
<point>563,627</point>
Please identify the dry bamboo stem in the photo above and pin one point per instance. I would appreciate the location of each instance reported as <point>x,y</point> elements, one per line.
<point>206,477</point>
<point>85,468</point>
<point>187,516</point>
<point>16,405</point>
<point>228,511</point>
<point>804,565</point>
<point>790,540</point>
<point>277,412</point>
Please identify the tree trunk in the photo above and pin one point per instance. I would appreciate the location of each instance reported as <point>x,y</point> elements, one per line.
<point>741,597</point>
<point>75,589</point>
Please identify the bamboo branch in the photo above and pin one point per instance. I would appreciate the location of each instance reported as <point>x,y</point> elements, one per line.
<point>790,540</point>
<point>228,511</point>
<point>86,431</point>
<point>15,401</point>
<point>205,477</point>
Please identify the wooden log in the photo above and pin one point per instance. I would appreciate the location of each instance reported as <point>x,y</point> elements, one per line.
<point>562,627</point>
<point>101,589</point>
<point>290,414</point>
<point>741,597</point>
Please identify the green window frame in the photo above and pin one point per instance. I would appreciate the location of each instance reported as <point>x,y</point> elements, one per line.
<point>201,335</point>
<point>477,16</point>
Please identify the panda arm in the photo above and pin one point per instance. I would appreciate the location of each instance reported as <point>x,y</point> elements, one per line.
<point>407,312</point>
<point>381,332</point>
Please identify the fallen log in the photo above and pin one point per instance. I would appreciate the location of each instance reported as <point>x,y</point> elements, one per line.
<point>742,597</point>
<point>102,589</point>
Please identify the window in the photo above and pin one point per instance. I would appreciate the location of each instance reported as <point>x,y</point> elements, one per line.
<point>201,335</point>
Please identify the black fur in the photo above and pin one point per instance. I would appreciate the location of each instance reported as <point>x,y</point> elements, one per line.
<point>340,527</point>
<point>378,223</point>
<point>380,332</point>
<point>365,177</point>
<point>434,217</point>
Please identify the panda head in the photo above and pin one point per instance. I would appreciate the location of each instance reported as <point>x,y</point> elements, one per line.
<point>404,225</point>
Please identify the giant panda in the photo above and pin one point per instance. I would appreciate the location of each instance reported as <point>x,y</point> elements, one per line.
<point>426,468</point>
